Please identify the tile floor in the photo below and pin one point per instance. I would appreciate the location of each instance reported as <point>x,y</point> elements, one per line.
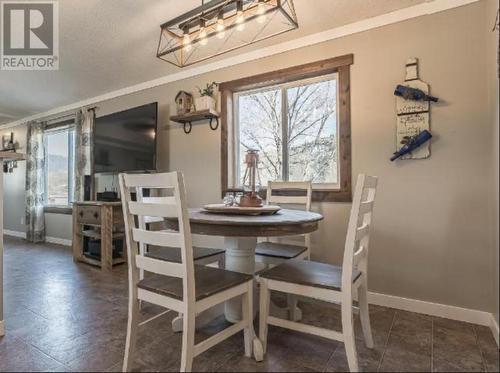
<point>64,316</point>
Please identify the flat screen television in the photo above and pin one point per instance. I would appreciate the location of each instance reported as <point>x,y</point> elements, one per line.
<point>126,141</point>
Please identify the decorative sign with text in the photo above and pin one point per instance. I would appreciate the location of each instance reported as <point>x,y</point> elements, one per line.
<point>412,116</point>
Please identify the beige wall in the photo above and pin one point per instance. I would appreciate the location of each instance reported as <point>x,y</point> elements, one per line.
<point>492,50</point>
<point>432,235</point>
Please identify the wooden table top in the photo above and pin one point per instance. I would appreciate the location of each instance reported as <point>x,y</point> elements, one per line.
<point>283,223</point>
<point>282,217</point>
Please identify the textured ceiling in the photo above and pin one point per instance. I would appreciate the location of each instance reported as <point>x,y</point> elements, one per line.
<point>106,45</point>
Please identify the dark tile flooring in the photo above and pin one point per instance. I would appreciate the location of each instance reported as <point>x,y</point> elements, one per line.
<point>64,316</point>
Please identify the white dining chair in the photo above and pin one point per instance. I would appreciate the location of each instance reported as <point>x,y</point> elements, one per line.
<point>183,287</point>
<point>201,255</point>
<point>328,282</point>
<point>272,253</point>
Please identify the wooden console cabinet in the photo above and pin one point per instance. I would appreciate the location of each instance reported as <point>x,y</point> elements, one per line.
<point>102,221</point>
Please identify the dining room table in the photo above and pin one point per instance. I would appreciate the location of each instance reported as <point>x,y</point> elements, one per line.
<point>241,234</point>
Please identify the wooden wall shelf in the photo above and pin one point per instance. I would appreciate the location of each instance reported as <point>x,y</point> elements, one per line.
<point>195,116</point>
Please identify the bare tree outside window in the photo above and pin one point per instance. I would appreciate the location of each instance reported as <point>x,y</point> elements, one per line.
<point>59,167</point>
<point>294,127</point>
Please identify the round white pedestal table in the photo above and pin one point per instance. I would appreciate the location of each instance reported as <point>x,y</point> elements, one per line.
<point>240,234</point>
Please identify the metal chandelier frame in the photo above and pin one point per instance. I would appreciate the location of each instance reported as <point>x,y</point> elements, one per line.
<point>183,40</point>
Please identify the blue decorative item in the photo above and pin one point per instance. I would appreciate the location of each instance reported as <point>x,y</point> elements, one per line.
<point>413,143</point>
<point>415,94</point>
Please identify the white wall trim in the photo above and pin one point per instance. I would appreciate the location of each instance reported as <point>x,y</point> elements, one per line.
<point>433,309</point>
<point>55,240</point>
<point>423,9</point>
<point>58,241</point>
<point>494,328</point>
<point>8,232</point>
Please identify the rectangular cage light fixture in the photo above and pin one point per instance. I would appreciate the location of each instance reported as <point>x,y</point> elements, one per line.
<point>221,26</point>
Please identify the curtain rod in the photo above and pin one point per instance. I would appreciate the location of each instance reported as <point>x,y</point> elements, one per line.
<point>68,115</point>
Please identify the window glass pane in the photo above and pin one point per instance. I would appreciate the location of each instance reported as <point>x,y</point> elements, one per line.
<point>312,132</point>
<point>259,120</point>
<point>57,146</point>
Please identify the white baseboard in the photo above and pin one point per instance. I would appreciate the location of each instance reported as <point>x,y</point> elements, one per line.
<point>436,309</point>
<point>2,328</point>
<point>494,328</point>
<point>8,232</point>
<point>58,241</point>
<point>55,240</point>
<point>433,309</point>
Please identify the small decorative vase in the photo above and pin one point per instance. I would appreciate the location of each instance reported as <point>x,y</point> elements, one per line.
<point>205,103</point>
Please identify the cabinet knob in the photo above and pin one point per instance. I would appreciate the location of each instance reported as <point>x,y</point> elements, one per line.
<point>81,214</point>
<point>96,215</point>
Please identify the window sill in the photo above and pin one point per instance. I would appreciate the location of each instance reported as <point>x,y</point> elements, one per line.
<point>64,210</point>
<point>318,195</point>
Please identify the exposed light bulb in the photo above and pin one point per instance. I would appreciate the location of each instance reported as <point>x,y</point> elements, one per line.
<point>240,27</point>
<point>186,42</point>
<point>240,21</point>
<point>203,36</point>
<point>220,27</point>
<point>261,11</point>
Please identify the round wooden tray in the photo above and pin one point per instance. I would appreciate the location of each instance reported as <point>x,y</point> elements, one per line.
<point>237,210</point>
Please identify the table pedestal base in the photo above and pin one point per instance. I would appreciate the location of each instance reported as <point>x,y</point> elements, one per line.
<point>240,257</point>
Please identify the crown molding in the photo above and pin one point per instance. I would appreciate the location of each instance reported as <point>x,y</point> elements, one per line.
<point>419,10</point>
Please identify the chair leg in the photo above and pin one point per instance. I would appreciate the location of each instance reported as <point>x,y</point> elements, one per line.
<point>132,325</point>
<point>222,262</point>
<point>365,314</point>
<point>264,313</point>
<point>348,333</point>
<point>247,312</point>
<point>188,342</point>
<point>292,307</point>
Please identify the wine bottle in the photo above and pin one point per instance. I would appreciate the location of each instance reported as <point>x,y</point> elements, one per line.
<point>412,144</point>
<point>409,93</point>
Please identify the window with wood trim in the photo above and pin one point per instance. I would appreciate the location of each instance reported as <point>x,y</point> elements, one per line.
<point>59,166</point>
<point>299,121</point>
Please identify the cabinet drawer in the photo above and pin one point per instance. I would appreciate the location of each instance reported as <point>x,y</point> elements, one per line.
<point>88,215</point>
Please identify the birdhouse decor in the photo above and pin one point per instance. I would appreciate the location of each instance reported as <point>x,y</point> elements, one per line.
<point>184,102</point>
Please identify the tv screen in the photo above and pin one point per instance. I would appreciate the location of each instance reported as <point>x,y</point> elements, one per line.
<point>126,141</point>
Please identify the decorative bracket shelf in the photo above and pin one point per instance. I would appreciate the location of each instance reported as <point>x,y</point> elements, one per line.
<point>195,116</point>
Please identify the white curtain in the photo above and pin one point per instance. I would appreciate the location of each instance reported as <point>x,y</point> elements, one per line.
<point>84,125</point>
<point>35,182</point>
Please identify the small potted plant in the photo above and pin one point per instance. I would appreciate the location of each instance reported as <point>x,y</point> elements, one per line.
<point>206,101</point>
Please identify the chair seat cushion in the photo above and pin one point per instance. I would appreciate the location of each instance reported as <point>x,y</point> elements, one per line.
<point>209,281</point>
<point>279,250</point>
<point>171,254</point>
<point>304,272</point>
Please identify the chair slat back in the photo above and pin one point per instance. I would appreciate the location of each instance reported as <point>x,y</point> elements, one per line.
<point>136,213</point>
<point>302,187</point>
<point>299,186</point>
<point>358,232</point>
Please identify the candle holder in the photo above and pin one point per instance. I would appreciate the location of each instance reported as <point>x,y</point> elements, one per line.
<point>251,181</point>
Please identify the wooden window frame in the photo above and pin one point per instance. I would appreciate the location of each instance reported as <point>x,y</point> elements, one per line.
<point>339,65</point>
